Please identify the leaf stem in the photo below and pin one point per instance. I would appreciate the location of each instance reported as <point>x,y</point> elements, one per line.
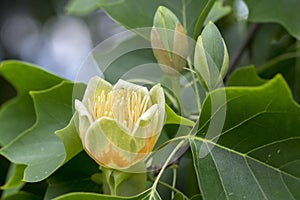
<point>165,165</point>
<point>297,72</point>
<point>184,14</point>
<point>202,17</point>
<point>177,91</point>
<point>174,167</point>
<point>195,83</point>
<point>109,180</point>
<point>169,187</point>
<point>175,86</point>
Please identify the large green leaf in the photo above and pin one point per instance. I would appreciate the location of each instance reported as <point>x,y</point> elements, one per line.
<point>38,147</point>
<point>284,12</point>
<point>18,114</point>
<point>126,11</point>
<point>186,176</point>
<point>23,196</point>
<point>120,59</point>
<point>257,155</point>
<point>15,181</point>
<point>71,140</point>
<point>92,196</point>
<point>245,76</point>
<point>287,64</point>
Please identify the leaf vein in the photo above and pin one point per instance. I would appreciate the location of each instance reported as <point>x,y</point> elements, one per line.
<point>212,156</point>
<point>244,155</point>
<point>254,177</point>
<point>272,143</point>
<point>287,188</point>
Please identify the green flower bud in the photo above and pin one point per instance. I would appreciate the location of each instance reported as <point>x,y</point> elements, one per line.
<point>211,57</point>
<point>169,42</point>
<point>119,125</point>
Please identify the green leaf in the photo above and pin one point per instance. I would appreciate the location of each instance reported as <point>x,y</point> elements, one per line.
<point>197,197</point>
<point>201,18</point>
<point>257,154</point>
<point>278,45</point>
<point>284,12</point>
<point>173,118</point>
<point>217,12</point>
<point>16,180</point>
<point>79,7</point>
<point>186,176</point>
<point>178,196</point>
<point>122,58</point>
<point>69,135</point>
<point>17,115</point>
<point>288,65</point>
<point>93,196</point>
<point>38,147</point>
<point>23,196</point>
<point>125,11</point>
<point>245,76</point>
<point>70,139</point>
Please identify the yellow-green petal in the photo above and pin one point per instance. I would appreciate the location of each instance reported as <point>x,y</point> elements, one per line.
<point>109,144</point>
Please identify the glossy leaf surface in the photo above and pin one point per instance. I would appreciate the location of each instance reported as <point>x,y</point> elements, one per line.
<point>255,157</point>
<point>284,12</point>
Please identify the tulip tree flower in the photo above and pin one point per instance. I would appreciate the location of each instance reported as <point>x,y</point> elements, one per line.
<point>119,125</point>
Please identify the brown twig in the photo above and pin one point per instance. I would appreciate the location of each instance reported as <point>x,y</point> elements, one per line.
<point>243,46</point>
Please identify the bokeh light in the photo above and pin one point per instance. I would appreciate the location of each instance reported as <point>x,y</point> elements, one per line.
<point>48,37</point>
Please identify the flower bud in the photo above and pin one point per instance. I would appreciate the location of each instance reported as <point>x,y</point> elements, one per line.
<point>169,42</point>
<point>120,124</point>
<point>211,57</point>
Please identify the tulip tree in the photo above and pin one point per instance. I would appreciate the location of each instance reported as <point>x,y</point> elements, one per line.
<point>186,107</point>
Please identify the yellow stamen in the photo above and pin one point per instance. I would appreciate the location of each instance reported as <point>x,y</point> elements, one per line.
<point>124,105</point>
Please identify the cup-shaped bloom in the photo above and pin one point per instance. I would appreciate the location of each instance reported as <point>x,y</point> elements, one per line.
<point>119,125</point>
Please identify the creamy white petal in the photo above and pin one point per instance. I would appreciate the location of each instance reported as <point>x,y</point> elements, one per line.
<point>85,118</point>
<point>157,95</point>
<point>148,124</point>
<point>94,88</point>
<point>121,84</point>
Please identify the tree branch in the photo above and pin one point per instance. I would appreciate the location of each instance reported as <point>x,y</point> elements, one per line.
<point>243,46</point>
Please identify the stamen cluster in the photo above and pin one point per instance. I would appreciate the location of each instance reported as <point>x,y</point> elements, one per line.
<point>124,105</point>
